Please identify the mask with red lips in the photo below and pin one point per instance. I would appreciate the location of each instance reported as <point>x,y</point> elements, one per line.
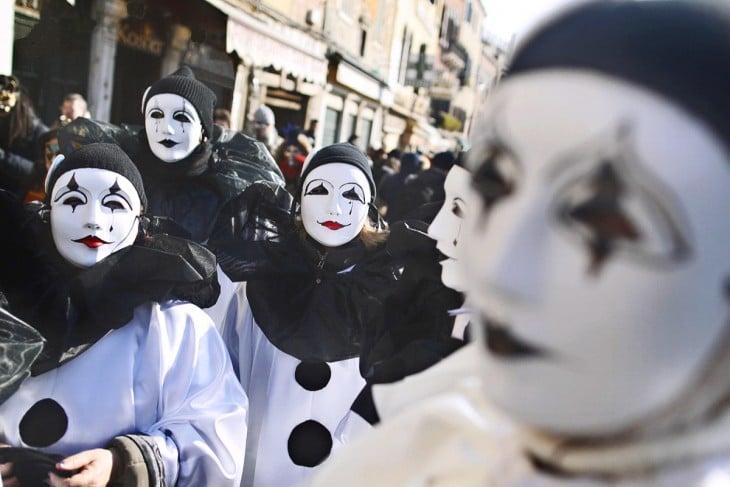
<point>334,203</point>
<point>94,213</point>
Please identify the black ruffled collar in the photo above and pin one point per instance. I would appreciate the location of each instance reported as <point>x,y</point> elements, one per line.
<point>299,295</point>
<point>318,312</point>
<point>73,308</point>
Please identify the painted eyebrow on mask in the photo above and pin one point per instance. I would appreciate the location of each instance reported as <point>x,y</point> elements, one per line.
<point>70,187</point>
<point>612,204</point>
<point>323,187</point>
<point>354,192</point>
<point>116,190</point>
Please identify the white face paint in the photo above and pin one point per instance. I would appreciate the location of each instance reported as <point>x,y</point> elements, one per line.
<point>172,126</point>
<point>446,228</point>
<point>334,203</point>
<point>597,251</point>
<point>94,213</point>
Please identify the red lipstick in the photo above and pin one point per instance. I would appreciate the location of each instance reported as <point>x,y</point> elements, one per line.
<point>91,241</point>
<point>332,225</point>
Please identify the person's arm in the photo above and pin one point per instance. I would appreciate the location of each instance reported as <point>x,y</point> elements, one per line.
<point>16,168</point>
<point>200,426</point>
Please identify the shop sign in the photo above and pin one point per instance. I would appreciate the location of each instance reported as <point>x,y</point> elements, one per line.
<point>140,37</point>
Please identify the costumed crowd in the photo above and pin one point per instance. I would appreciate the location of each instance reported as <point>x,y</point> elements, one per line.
<point>548,308</point>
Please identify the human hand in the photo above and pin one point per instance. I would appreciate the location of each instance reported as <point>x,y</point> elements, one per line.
<point>94,469</point>
<point>8,476</point>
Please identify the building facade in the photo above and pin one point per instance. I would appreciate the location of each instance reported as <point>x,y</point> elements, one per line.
<point>384,70</point>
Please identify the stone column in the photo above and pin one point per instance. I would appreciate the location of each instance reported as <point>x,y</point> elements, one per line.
<point>178,39</point>
<point>240,97</point>
<point>107,14</point>
<point>7,34</point>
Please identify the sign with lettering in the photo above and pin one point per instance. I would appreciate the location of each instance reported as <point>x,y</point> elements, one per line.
<point>141,37</point>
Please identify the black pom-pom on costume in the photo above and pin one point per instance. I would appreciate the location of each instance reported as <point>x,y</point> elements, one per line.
<point>310,443</point>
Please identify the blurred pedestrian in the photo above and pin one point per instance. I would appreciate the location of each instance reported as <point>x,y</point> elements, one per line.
<point>425,187</point>
<point>392,185</point>
<point>20,130</point>
<point>291,154</point>
<point>264,128</point>
<point>48,150</point>
<point>222,117</point>
<point>72,107</point>
<point>311,132</point>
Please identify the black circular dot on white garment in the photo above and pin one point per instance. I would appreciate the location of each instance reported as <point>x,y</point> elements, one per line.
<point>43,424</point>
<point>313,376</point>
<point>309,444</point>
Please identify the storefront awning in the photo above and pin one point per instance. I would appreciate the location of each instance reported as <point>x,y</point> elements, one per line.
<point>262,44</point>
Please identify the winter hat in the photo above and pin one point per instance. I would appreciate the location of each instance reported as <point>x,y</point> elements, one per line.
<point>98,156</point>
<point>443,160</point>
<point>182,82</point>
<point>264,114</point>
<point>343,152</point>
<point>676,48</point>
<point>410,163</point>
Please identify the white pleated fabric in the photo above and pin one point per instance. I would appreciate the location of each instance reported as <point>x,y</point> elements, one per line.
<point>165,374</point>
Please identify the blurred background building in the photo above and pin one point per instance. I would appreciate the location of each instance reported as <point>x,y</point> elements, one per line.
<point>404,74</point>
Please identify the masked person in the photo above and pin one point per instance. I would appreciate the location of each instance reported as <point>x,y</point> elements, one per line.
<point>318,278</point>
<point>20,131</point>
<point>426,319</point>
<point>134,385</point>
<point>190,166</point>
<point>596,262</point>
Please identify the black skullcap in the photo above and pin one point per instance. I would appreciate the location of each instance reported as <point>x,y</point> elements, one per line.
<point>343,152</point>
<point>98,156</point>
<point>443,160</point>
<point>675,48</point>
<point>410,163</point>
<point>182,82</point>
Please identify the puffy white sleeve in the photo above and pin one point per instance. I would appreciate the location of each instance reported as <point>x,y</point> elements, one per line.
<point>197,416</point>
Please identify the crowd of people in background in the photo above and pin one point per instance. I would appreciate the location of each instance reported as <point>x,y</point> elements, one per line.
<point>184,303</point>
<point>33,145</point>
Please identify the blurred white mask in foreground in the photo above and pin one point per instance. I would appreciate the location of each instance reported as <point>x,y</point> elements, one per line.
<point>446,228</point>
<point>334,203</point>
<point>172,126</point>
<point>93,214</point>
<point>597,252</point>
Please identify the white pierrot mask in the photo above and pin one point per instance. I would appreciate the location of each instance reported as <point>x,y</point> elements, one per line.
<point>334,203</point>
<point>597,255</point>
<point>94,213</point>
<point>173,127</point>
<point>446,228</point>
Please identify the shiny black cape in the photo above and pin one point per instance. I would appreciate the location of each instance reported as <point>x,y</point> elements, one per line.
<point>192,191</point>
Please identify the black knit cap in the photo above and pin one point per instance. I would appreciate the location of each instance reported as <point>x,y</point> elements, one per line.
<point>345,153</point>
<point>98,156</point>
<point>443,160</point>
<point>676,48</point>
<point>182,82</point>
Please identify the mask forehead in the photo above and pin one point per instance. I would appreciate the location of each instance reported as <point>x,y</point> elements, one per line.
<point>595,258</point>
<point>173,127</point>
<point>94,213</point>
<point>334,203</point>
